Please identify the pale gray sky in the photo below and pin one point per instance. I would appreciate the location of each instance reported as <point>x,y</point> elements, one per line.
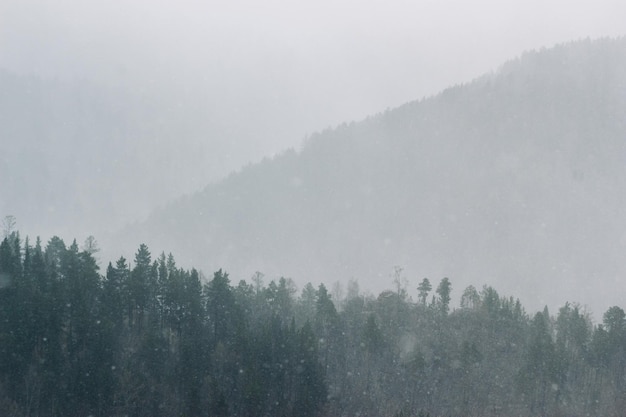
<point>244,79</point>
<point>241,79</point>
<point>334,60</point>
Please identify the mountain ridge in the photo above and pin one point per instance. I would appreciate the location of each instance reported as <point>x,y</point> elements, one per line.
<point>502,179</point>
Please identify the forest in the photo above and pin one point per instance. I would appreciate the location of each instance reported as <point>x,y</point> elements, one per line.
<point>147,338</point>
<point>505,179</point>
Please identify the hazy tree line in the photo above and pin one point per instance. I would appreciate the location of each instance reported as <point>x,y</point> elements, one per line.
<point>147,338</point>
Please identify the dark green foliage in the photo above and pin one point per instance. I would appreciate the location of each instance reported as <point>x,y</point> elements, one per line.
<point>540,376</point>
<point>372,336</point>
<point>424,289</point>
<point>310,390</point>
<point>155,340</point>
<point>443,290</point>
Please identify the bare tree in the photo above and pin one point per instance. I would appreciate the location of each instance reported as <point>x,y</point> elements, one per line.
<point>8,225</point>
<point>91,245</point>
<point>400,281</point>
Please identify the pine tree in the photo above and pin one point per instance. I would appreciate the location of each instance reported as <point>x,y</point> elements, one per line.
<point>423,290</point>
<point>444,289</point>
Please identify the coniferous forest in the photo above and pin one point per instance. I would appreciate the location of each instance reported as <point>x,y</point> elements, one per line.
<point>147,338</point>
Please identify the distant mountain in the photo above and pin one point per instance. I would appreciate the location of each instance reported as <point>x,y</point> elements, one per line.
<point>81,157</point>
<point>515,179</point>
<point>62,144</point>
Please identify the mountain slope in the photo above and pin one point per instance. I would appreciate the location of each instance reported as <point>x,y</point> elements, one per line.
<point>83,157</point>
<point>515,179</point>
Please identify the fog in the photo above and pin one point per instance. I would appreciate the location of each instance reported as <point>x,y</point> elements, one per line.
<point>390,208</point>
<point>223,84</point>
<point>304,65</point>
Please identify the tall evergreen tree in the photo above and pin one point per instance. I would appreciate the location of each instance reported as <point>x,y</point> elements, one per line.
<point>423,290</point>
<point>443,290</point>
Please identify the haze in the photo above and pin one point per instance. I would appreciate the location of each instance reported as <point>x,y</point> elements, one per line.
<point>303,65</point>
<point>225,84</point>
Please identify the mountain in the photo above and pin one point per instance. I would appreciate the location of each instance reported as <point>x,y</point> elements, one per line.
<point>87,156</point>
<point>514,180</point>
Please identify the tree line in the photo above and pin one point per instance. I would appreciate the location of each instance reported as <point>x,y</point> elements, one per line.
<point>148,338</point>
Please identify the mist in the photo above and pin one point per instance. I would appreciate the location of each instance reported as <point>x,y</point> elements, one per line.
<point>167,98</point>
<point>404,208</point>
<point>292,68</point>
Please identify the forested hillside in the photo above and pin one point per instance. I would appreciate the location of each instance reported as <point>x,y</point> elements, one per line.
<point>514,179</point>
<point>95,156</point>
<point>147,338</point>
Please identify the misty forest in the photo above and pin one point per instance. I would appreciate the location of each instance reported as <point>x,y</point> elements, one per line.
<point>148,338</point>
<point>467,252</point>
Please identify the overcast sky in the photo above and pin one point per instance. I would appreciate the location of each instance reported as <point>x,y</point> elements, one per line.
<point>257,77</point>
<point>333,60</point>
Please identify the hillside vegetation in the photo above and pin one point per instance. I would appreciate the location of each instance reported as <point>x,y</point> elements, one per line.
<point>154,339</point>
<point>514,179</point>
